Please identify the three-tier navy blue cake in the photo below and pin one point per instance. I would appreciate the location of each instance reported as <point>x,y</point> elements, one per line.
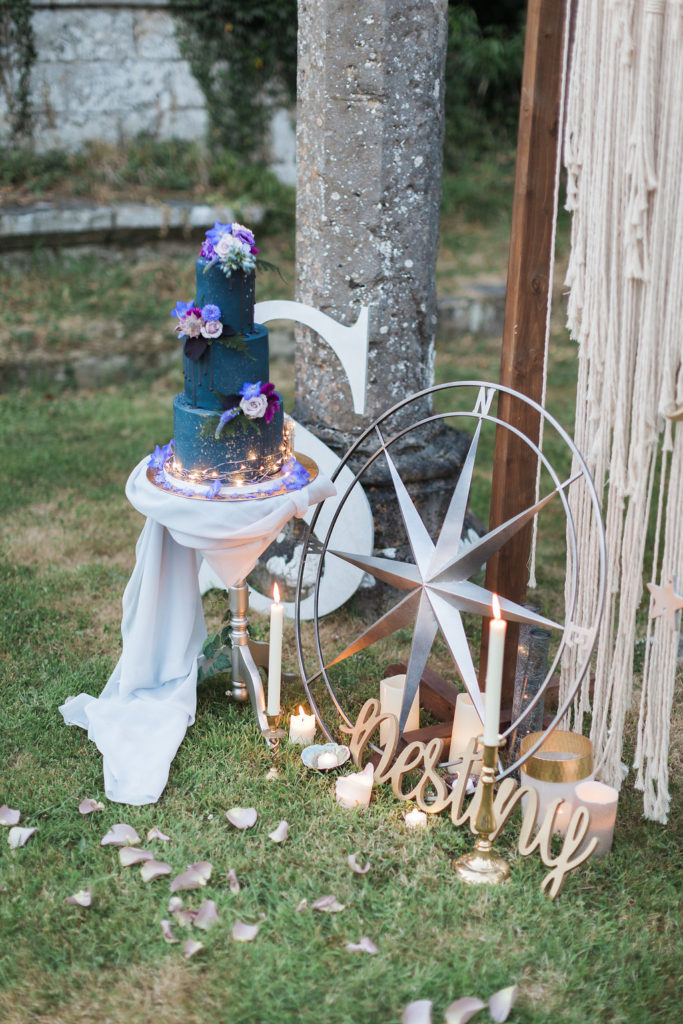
<point>228,420</point>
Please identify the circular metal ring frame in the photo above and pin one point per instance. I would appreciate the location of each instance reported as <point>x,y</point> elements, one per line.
<point>583,474</point>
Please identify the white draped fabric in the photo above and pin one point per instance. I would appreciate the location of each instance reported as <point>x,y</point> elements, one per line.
<point>140,718</point>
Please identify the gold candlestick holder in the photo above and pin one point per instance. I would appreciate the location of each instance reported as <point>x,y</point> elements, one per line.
<point>273,734</point>
<point>481,867</point>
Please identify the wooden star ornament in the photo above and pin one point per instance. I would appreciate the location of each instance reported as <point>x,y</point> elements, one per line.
<point>665,601</point>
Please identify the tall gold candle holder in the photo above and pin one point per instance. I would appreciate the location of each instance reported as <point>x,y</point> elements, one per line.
<point>481,867</point>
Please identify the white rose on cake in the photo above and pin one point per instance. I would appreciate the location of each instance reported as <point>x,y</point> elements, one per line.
<point>254,407</point>
<point>227,244</point>
<point>212,329</point>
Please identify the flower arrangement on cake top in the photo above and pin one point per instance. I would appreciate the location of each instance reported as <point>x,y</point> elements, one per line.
<point>231,245</point>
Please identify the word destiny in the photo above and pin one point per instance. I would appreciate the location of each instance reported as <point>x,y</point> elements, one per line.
<point>426,756</point>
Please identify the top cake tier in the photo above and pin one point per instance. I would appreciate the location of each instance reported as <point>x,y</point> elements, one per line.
<point>233,294</point>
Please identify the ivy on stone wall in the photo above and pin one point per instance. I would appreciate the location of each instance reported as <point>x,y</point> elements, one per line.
<point>17,56</point>
<point>243,56</point>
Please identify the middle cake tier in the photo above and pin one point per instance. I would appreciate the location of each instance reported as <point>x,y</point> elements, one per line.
<point>223,369</point>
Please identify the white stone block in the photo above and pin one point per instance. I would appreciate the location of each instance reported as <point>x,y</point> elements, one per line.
<point>83,35</point>
<point>155,37</point>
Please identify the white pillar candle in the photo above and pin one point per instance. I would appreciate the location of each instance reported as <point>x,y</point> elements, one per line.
<point>467,725</point>
<point>391,692</point>
<point>494,676</point>
<point>415,818</point>
<point>301,728</point>
<point>355,790</point>
<point>277,617</point>
<point>547,792</point>
<point>601,802</point>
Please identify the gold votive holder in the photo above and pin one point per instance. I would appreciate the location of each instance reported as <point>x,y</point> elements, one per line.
<point>563,760</point>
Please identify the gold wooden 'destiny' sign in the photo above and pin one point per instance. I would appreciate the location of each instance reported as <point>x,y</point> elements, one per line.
<point>426,756</point>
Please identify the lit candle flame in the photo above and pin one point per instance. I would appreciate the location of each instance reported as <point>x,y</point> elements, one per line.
<point>301,710</point>
<point>276,593</point>
<point>496,607</point>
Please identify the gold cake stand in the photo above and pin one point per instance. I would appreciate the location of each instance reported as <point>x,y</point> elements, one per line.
<point>245,494</point>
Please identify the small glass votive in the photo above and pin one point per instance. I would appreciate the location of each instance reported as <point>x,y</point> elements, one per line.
<point>601,801</point>
<point>562,761</point>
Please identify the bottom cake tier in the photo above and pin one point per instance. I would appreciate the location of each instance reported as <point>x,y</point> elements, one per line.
<point>245,450</point>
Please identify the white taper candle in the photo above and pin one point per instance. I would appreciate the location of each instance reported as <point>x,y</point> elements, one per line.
<point>277,616</point>
<point>494,676</point>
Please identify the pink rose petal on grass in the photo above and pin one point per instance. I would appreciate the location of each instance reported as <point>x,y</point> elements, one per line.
<point>203,868</point>
<point>185,918</point>
<point>352,861</point>
<point>279,834</point>
<point>9,815</point>
<point>82,898</point>
<point>242,817</point>
<point>206,916</point>
<point>233,881</point>
<point>460,1011</point>
<point>194,877</point>
<point>175,903</point>
<point>302,905</point>
<point>87,806</point>
<point>365,945</point>
<point>167,932</point>
<point>156,833</point>
<point>419,1012</point>
<point>120,835</point>
<point>133,855</point>
<point>152,869</point>
<point>19,836</point>
<point>242,932</point>
<point>328,905</point>
<point>502,1002</point>
<point>190,947</point>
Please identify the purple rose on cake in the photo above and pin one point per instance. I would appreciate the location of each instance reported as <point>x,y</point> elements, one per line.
<point>232,245</point>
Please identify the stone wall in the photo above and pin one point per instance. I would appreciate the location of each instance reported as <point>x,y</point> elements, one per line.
<point>110,69</point>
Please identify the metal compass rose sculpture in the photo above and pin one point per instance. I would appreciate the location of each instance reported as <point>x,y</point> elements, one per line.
<point>437,587</point>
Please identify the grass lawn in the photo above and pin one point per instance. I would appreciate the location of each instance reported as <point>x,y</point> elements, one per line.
<point>608,950</point>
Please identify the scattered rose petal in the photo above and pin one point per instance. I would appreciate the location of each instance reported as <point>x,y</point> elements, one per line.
<point>502,1002</point>
<point>302,905</point>
<point>352,861</point>
<point>18,836</point>
<point>328,905</point>
<point>120,835</point>
<point>156,833</point>
<point>9,815</point>
<point>191,947</point>
<point>133,855</point>
<point>279,834</point>
<point>207,916</point>
<point>460,1011</point>
<point>242,817</point>
<point>87,806</point>
<point>175,903</point>
<point>152,869</point>
<point>419,1012</point>
<point>242,932</point>
<point>82,898</point>
<point>189,879</point>
<point>185,917</point>
<point>232,879</point>
<point>167,932</point>
<point>365,945</point>
<point>203,868</point>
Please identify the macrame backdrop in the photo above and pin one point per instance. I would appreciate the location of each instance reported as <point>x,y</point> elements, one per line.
<point>624,161</point>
